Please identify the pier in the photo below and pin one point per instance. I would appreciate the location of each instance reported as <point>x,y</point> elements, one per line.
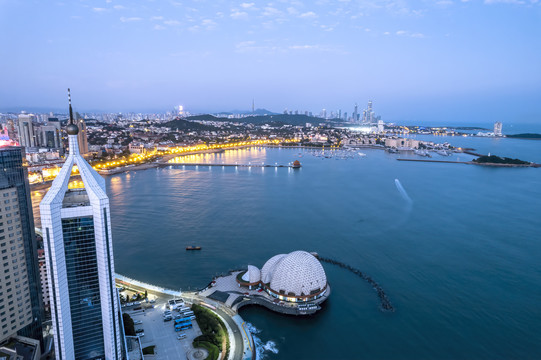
<point>228,165</point>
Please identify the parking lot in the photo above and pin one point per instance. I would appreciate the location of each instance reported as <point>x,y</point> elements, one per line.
<point>162,334</point>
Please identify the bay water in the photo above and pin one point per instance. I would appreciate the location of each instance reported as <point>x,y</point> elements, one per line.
<point>460,262</point>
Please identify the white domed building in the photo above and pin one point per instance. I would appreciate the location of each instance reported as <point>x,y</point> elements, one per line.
<point>294,277</point>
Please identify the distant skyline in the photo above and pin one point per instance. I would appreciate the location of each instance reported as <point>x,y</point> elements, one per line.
<point>461,61</point>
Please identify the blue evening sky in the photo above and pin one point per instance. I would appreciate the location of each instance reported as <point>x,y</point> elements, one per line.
<point>447,60</point>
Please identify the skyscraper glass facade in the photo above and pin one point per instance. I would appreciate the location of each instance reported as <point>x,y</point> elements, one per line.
<point>14,174</point>
<point>83,285</point>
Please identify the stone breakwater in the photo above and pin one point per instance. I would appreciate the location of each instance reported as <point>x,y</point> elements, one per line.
<point>384,299</point>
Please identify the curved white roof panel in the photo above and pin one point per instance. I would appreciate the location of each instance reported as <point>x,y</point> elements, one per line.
<point>298,273</point>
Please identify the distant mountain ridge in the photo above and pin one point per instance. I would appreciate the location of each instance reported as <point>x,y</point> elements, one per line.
<point>278,119</point>
<point>244,112</point>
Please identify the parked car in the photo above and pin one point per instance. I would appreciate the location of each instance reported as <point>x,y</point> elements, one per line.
<point>181,336</point>
<point>141,334</point>
<point>137,322</point>
<point>137,331</point>
<point>167,318</point>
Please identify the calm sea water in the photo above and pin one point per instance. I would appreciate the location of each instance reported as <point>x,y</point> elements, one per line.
<point>461,263</point>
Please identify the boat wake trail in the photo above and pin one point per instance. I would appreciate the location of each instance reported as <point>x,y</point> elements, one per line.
<point>261,348</point>
<point>385,302</point>
<point>402,191</point>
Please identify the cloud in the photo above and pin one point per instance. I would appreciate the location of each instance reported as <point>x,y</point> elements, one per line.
<point>130,19</point>
<point>208,24</point>
<point>155,18</point>
<point>307,47</point>
<point>172,22</point>
<point>271,11</point>
<point>517,2</point>
<point>235,14</point>
<point>409,34</point>
<point>119,7</point>
<point>247,5</point>
<point>96,9</point>
<point>308,15</point>
<point>444,3</point>
<point>327,27</point>
<point>159,27</point>
<point>292,11</point>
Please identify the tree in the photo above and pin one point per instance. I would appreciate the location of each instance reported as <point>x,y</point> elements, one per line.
<point>129,326</point>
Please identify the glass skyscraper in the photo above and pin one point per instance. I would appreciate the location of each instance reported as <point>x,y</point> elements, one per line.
<point>20,288</point>
<point>79,256</point>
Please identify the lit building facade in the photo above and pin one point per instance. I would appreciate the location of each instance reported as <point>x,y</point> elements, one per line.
<point>82,137</point>
<point>79,256</point>
<point>296,277</point>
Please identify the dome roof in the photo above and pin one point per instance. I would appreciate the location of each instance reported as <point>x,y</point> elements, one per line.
<point>268,268</point>
<point>252,275</point>
<point>298,273</point>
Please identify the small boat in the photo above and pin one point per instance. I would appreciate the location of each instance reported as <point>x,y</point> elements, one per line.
<point>193,247</point>
<point>362,154</point>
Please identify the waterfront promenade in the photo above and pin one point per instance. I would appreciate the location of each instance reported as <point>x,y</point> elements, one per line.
<point>241,342</point>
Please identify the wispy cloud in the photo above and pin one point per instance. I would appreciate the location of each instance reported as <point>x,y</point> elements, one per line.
<point>271,11</point>
<point>156,18</point>
<point>130,19</point>
<point>518,2</point>
<point>172,22</point>
<point>247,5</point>
<point>315,47</point>
<point>119,7</point>
<point>308,15</point>
<point>97,9</point>
<point>159,27</point>
<point>235,14</point>
<point>208,24</point>
<point>409,34</point>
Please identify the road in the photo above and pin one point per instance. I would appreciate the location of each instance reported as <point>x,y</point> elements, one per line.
<point>226,314</point>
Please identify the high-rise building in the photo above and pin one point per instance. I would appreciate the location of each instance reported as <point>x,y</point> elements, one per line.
<point>44,280</point>
<point>355,113</point>
<point>20,291</point>
<point>50,135</point>
<point>368,114</point>
<point>11,130</point>
<point>25,128</point>
<point>82,136</point>
<point>498,129</point>
<point>79,254</point>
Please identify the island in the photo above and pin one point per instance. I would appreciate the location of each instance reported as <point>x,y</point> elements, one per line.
<point>500,161</point>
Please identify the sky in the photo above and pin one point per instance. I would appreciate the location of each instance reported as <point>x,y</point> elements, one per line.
<point>446,60</point>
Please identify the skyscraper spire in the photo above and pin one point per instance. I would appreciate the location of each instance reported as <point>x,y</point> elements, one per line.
<point>71,111</point>
<point>72,129</point>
